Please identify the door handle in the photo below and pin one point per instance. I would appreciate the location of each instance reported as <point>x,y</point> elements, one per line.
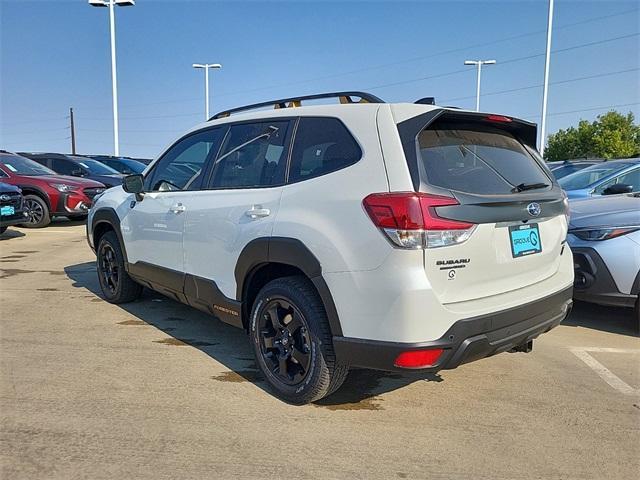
<point>257,212</point>
<point>177,208</point>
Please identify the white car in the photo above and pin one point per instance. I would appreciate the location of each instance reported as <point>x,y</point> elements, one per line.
<point>364,233</point>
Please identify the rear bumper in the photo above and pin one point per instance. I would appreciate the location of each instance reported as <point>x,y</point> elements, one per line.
<point>594,282</point>
<point>467,340</point>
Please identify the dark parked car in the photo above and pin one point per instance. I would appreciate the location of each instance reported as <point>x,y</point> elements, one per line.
<point>12,210</point>
<point>77,166</point>
<point>126,166</point>
<point>567,167</point>
<point>46,194</point>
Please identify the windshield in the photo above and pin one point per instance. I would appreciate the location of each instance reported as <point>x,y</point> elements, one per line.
<point>24,166</point>
<point>589,176</point>
<point>95,167</point>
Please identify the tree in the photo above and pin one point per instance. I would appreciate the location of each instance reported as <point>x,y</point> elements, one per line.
<point>611,135</point>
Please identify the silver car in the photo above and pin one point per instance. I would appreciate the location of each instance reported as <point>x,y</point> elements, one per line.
<point>604,235</point>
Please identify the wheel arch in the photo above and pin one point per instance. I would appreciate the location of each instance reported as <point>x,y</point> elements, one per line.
<point>264,259</point>
<point>33,190</point>
<point>104,220</point>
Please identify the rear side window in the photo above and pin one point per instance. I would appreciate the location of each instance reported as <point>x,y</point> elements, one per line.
<point>322,145</point>
<point>480,161</point>
<point>253,155</point>
<point>64,167</point>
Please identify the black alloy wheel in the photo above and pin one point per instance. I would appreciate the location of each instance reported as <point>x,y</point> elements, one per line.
<point>292,341</point>
<point>109,268</point>
<point>285,343</point>
<point>116,284</point>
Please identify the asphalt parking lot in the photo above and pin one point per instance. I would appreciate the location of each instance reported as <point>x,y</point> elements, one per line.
<point>155,389</point>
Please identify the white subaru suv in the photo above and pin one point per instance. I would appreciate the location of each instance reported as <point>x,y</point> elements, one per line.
<point>364,233</point>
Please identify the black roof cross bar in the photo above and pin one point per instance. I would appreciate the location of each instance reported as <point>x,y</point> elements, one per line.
<point>345,97</point>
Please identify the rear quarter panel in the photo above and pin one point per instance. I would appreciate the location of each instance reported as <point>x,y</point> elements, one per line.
<point>326,212</point>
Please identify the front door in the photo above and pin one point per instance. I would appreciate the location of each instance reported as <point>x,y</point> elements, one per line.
<point>153,229</point>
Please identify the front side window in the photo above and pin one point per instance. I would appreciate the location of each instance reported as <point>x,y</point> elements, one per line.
<point>322,145</point>
<point>182,166</point>
<point>588,176</point>
<point>476,160</point>
<point>253,155</point>
<point>631,178</point>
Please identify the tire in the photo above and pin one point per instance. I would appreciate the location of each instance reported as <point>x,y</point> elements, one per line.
<point>297,342</point>
<point>3,229</point>
<point>636,316</point>
<point>116,284</point>
<point>39,215</point>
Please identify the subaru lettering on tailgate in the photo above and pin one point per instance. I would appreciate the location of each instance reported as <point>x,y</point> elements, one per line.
<point>525,240</point>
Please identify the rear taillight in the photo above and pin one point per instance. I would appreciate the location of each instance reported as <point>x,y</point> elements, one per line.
<point>410,220</point>
<point>418,358</point>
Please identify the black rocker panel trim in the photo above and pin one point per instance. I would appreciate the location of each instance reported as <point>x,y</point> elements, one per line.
<point>197,292</point>
<point>205,295</point>
<point>108,215</point>
<point>286,251</point>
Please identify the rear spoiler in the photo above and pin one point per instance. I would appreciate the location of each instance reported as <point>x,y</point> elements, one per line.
<point>409,129</point>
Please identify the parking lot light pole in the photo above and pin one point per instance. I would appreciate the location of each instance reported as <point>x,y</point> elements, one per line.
<point>479,64</point>
<point>206,67</point>
<point>545,89</point>
<point>114,80</point>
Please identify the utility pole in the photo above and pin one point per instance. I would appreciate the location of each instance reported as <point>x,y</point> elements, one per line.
<point>73,131</point>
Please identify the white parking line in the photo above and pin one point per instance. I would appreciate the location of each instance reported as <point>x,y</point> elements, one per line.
<point>613,380</point>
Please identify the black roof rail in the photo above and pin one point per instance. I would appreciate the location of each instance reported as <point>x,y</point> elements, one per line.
<point>345,97</point>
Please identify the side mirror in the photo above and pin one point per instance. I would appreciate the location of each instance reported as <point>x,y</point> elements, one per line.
<point>617,189</point>
<point>77,172</point>
<point>134,184</point>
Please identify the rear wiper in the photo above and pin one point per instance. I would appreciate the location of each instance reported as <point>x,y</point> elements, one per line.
<point>528,186</point>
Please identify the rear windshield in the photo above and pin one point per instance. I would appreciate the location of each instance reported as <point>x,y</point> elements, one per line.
<point>481,161</point>
<point>587,176</point>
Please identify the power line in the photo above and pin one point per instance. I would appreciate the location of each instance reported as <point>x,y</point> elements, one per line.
<point>436,54</point>
<point>398,62</point>
<point>590,109</point>
<point>503,62</point>
<point>559,82</point>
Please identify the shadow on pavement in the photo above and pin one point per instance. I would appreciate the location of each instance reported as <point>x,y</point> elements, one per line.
<point>187,326</point>
<point>606,319</point>
<point>10,233</point>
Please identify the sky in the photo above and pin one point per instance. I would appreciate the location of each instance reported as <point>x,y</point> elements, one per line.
<point>54,54</point>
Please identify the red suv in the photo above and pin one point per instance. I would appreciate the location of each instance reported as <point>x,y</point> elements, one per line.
<point>46,194</point>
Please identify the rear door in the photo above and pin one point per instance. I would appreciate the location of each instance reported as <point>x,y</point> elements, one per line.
<point>240,202</point>
<point>502,187</point>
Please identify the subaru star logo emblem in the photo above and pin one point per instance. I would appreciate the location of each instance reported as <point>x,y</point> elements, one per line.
<point>4,198</point>
<point>533,209</point>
